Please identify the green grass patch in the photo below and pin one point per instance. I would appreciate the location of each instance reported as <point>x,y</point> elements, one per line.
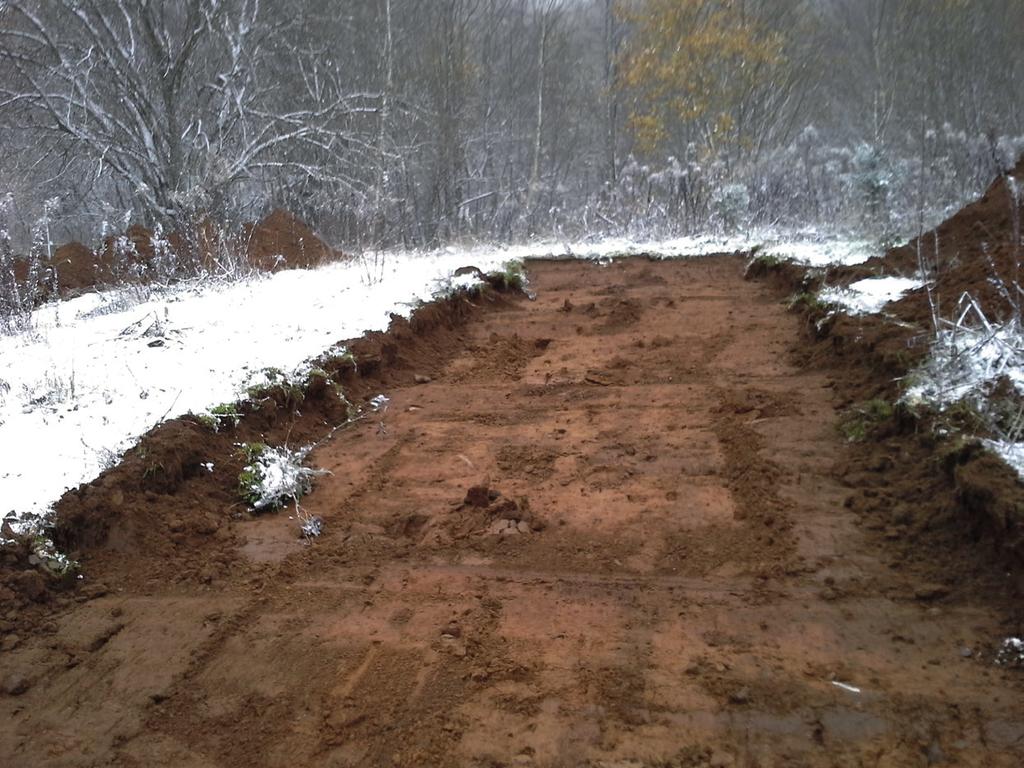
<point>511,276</point>
<point>861,420</point>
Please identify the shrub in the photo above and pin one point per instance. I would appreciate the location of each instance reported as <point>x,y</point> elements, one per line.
<point>273,476</point>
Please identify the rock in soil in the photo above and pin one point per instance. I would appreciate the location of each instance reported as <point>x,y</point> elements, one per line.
<point>16,684</point>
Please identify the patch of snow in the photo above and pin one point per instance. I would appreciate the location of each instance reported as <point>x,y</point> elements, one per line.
<point>463,282</point>
<point>810,248</point>
<point>871,294</point>
<point>1010,452</point>
<point>1011,653</point>
<point>815,252</point>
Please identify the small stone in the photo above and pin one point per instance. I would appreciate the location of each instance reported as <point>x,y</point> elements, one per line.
<point>828,594</point>
<point>498,527</point>
<point>721,760</point>
<point>966,653</point>
<point>16,684</point>
<point>10,642</point>
<point>478,496</point>
<point>420,378</point>
<point>742,696</point>
<point>206,525</point>
<point>523,527</point>
<point>934,754</point>
<point>931,592</point>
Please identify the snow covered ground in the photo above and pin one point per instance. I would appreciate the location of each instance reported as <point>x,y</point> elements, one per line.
<point>870,295</point>
<point>808,248</point>
<point>98,371</point>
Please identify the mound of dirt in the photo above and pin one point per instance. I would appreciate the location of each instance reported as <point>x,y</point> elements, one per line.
<point>282,241</point>
<point>278,241</point>
<point>77,268</point>
<point>976,251</point>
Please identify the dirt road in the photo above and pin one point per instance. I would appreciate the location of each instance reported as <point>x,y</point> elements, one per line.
<point>669,577</point>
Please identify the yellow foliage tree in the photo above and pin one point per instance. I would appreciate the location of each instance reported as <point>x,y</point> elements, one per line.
<point>693,70</point>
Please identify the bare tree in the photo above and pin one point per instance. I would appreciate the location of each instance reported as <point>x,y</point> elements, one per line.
<point>176,99</point>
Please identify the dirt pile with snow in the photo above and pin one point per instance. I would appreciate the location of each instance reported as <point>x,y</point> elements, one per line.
<point>977,251</point>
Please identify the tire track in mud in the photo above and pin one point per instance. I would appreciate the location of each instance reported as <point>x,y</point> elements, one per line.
<point>687,591</point>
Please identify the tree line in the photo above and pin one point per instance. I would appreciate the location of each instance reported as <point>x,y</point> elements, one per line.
<point>418,122</point>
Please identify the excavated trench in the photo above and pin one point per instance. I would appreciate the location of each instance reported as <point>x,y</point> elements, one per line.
<point>614,526</point>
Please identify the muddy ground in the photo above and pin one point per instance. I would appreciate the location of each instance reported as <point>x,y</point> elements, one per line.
<point>684,567</point>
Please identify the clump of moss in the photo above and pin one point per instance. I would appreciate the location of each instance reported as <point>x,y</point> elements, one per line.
<point>277,387</point>
<point>861,420</point>
<point>227,415</point>
<point>811,303</point>
<point>207,420</point>
<point>223,416</point>
<point>511,276</point>
<point>763,264</point>
<point>250,479</point>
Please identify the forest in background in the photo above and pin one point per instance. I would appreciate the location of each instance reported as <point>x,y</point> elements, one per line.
<point>413,123</point>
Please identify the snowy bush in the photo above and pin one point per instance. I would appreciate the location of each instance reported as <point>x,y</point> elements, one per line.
<point>21,293</point>
<point>512,276</point>
<point>968,359</point>
<point>274,476</point>
<point>871,178</point>
<point>730,204</point>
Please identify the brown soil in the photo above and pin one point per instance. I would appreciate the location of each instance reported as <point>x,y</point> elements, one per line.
<point>282,241</point>
<point>621,536</point>
<point>278,241</point>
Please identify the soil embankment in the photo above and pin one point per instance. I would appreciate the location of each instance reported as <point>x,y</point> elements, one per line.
<point>615,526</point>
<point>278,241</point>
